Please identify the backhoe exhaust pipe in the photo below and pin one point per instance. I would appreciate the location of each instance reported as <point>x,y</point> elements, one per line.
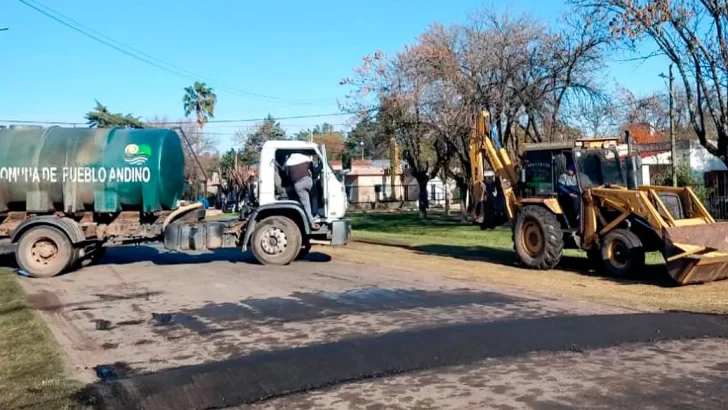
<point>631,162</point>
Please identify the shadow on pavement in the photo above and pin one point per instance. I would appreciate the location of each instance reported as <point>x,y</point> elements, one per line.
<point>260,376</point>
<point>123,255</point>
<point>651,274</point>
<point>306,306</point>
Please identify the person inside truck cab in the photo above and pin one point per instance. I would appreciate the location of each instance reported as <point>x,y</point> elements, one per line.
<point>300,169</point>
<point>568,190</point>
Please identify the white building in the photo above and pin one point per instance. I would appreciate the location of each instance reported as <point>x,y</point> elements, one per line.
<point>690,153</point>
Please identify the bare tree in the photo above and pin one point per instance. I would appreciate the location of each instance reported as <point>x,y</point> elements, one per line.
<point>395,88</point>
<point>692,35</point>
<point>526,76</point>
<point>241,178</point>
<point>514,68</point>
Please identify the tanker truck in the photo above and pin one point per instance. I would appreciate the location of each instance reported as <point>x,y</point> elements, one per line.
<point>67,194</point>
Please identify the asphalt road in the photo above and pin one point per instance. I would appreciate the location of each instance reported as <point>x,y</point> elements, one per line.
<point>150,329</point>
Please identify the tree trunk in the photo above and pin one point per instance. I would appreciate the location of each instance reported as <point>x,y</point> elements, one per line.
<point>464,211</point>
<point>423,199</point>
<point>447,196</point>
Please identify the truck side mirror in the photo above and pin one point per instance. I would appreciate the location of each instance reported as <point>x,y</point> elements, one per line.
<point>346,163</point>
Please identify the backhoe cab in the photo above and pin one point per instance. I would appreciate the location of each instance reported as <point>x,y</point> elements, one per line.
<point>617,220</point>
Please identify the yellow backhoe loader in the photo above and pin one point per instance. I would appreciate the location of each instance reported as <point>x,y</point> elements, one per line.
<point>617,221</point>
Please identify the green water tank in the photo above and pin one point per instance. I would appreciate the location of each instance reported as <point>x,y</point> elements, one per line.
<point>90,169</point>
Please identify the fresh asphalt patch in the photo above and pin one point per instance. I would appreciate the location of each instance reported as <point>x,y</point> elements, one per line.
<point>265,375</point>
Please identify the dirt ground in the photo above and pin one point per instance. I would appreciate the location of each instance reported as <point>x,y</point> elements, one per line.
<point>340,330</point>
<point>574,278</point>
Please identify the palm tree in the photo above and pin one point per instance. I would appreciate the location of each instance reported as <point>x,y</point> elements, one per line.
<point>98,118</point>
<point>200,99</point>
<point>101,117</point>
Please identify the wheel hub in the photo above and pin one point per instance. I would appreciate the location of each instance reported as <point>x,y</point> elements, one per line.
<point>618,254</point>
<point>43,251</point>
<point>274,241</point>
<point>533,240</point>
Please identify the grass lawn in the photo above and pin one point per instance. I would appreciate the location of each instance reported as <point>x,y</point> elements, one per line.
<point>32,374</point>
<point>438,229</point>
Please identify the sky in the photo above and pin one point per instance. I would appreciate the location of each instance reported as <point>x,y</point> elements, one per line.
<point>285,58</point>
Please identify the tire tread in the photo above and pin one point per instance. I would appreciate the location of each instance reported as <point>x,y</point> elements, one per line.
<point>553,236</point>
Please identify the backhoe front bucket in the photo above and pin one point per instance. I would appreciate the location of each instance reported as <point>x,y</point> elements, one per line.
<point>697,253</point>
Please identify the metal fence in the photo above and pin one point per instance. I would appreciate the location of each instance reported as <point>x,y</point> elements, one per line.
<point>386,193</point>
<point>716,184</point>
<point>380,193</point>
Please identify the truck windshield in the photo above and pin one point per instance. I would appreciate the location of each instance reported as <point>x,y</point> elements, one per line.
<point>600,167</point>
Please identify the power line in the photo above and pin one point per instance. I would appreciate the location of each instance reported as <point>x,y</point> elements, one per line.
<point>188,122</point>
<point>633,103</point>
<point>294,117</point>
<point>135,53</point>
<point>218,126</point>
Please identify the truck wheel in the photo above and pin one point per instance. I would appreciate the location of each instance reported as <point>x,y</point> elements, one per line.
<point>537,238</point>
<point>305,244</point>
<point>622,253</point>
<point>276,241</point>
<point>44,252</point>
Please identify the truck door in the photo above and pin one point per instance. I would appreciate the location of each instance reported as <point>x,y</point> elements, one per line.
<point>325,175</point>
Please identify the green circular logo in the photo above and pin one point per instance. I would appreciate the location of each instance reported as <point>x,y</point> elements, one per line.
<point>137,154</point>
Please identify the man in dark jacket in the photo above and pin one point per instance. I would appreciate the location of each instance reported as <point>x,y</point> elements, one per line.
<point>300,171</point>
<point>568,188</point>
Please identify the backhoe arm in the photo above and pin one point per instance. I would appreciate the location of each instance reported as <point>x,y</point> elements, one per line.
<point>483,144</point>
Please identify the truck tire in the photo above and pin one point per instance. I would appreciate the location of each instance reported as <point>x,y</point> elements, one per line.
<point>305,244</point>
<point>44,252</point>
<point>276,241</point>
<point>622,253</point>
<point>537,238</point>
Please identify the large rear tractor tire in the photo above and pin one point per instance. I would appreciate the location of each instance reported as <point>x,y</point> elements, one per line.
<point>44,252</point>
<point>276,241</point>
<point>622,253</point>
<point>537,238</point>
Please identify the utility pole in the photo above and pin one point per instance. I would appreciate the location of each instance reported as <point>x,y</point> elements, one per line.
<point>673,144</point>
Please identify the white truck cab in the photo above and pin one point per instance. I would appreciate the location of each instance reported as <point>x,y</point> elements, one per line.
<point>278,205</point>
<point>272,185</point>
